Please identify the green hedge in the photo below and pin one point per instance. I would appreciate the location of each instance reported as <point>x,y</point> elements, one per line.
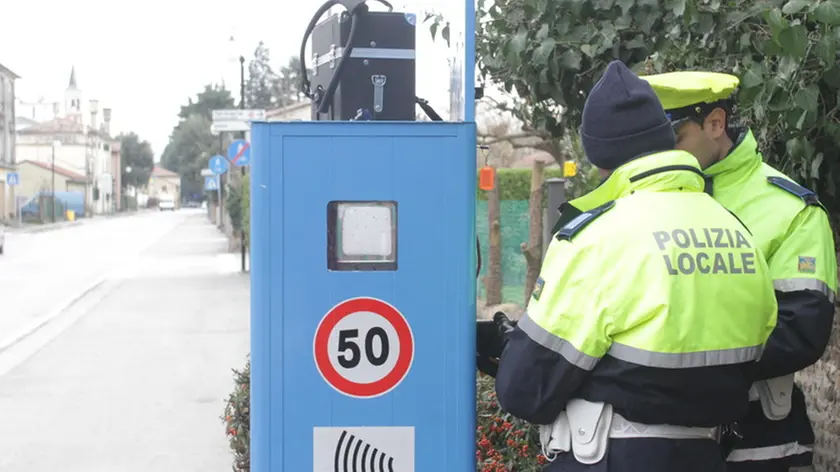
<point>245,201</point>
<point>515,184</point>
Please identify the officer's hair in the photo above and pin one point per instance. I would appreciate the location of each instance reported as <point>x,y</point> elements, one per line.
<point>730,108</point>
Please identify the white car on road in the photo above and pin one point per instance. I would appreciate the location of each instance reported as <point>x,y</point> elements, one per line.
<point>166,204</point>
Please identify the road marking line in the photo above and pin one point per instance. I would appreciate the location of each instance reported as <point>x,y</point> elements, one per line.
<point>56,312</point>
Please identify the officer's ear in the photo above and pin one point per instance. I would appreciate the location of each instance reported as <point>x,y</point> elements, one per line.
<point>715,123</point>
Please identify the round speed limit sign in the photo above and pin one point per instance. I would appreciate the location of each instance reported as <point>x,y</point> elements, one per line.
<point>363,347</point>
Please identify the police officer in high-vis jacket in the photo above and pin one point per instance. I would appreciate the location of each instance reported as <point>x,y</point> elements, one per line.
<point>652,306</point>
<point>792,229</point>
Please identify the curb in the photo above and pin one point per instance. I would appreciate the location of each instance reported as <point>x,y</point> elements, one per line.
<point>45,228</point>
<point>34,229</point>
<point>55,313</point>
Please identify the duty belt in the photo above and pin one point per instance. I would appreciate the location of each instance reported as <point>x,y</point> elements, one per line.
<point>775,395</point>
<point>585,428</point>
<point>624,428</point>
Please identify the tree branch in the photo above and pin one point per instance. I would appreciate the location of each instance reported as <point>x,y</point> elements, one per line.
<point>489,139</point>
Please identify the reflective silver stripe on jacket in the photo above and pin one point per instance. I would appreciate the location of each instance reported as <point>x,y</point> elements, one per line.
<point>539,335</point>
<point>664,360</point>
<point>685,360</point>
<point>799,284</point>
<point>769,452</point>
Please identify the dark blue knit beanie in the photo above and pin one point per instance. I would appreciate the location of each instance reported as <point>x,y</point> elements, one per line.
<point>623,120</point>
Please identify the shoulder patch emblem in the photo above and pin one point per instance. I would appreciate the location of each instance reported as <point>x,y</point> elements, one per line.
<point>807,196</point>
<point>807,265</point>
<point>571,228</point>
<point>538,288</point>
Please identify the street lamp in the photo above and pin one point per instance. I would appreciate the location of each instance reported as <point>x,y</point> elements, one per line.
<point>125,187</point>
<point>55,144</point>
<point>233,49</point>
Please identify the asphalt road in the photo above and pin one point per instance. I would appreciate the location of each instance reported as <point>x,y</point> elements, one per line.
<point>132,375</point>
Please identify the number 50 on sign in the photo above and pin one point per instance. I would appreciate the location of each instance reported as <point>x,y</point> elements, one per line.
<point>363,347</point>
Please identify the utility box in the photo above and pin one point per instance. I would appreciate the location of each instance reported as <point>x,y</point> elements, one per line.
<point>378,80</point>
<point>363,297</point>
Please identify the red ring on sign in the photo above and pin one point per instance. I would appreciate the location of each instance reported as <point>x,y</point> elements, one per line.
<point>392,378</point>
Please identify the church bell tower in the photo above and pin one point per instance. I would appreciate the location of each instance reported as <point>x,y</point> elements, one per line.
<point>73,99</point>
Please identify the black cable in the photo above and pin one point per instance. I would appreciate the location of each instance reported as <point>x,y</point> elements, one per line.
<point>433,115</point>
<point>478,256</point>
<point>324,98</point>
<point>387,4</point>
<point>304,78</point>
<point>327,98</point>
<point>427,109</point>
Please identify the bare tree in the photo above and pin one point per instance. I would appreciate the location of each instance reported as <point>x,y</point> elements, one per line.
<point>533,249</point>
<point>520,134</point>
<point>493,279</point>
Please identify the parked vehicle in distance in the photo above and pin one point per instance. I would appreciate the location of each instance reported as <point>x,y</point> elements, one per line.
<point>166,203</point>
<point>74,201</point>
<point>2,238</point>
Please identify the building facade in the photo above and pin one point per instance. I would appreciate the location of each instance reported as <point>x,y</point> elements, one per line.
<point>7,116</point>
<point>164,183</point>
<point>37,177</point>
<point>7,140</point>
<point>76,143</point>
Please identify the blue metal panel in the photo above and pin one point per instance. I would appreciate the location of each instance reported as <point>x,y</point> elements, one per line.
<point>429,170</point>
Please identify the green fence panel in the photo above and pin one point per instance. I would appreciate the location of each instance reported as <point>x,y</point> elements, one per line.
<point>514,225</point>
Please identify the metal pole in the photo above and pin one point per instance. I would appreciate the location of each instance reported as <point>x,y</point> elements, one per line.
<point>556,196</point>
<point>53,182</point>
<point>219,200</point>
<point>221,222</point>
<point>242,169</point>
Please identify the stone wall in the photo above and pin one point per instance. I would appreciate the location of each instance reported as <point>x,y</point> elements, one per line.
<point>820,383</point>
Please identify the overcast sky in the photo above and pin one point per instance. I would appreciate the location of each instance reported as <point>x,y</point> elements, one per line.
<point>143,59</point>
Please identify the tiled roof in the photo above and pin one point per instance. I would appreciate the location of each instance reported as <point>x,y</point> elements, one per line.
<point>58,170</point>
<point>8,72</point>
<point>58,125</point>
<point>163,173</point>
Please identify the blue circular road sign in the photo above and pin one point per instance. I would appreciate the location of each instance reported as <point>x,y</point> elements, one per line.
<point>218,164</point>
<point>239,152</point>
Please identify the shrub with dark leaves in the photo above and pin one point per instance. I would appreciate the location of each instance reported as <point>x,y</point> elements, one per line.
<point>237,419</point>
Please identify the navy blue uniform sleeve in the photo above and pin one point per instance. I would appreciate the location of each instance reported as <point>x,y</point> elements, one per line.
<point>534,382</point>
<point>804,269</point>
<point>558,342</point>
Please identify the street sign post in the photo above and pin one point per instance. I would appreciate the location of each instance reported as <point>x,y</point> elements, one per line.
<point>229,127</point>
<point>350,264</point>
<point>234,120</point>
<point>239,152</point>
<point>211,183</point>
<point>218,164</point>
<point>238,114</point>
<point>12,179</point>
